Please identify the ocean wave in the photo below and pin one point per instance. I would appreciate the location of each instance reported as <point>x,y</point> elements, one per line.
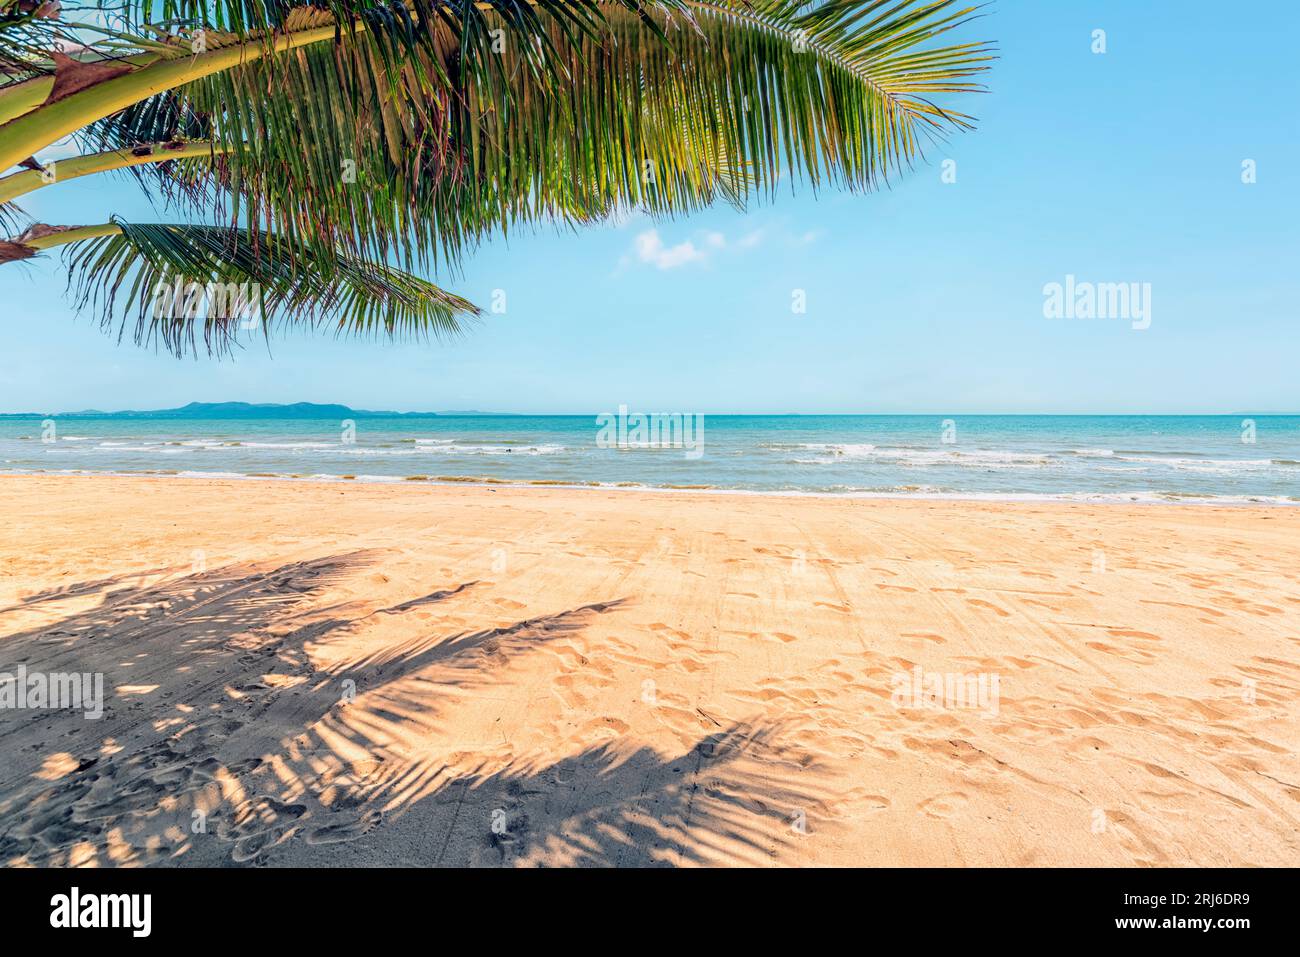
<point>924,458</point>
<point>1212,466</point>
<point>156,448</point>
<point>503,449</point>
<point>383,452</point>
<point>848,450</point>
<point>1163,453</point>
<point>545,449</point>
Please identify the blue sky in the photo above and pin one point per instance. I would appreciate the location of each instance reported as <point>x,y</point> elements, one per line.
<point>925,298</point>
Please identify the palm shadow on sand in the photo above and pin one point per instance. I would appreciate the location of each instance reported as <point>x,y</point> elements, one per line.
<point>263,753</point>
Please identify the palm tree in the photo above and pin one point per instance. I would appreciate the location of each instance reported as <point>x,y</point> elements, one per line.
<point>336,149</point>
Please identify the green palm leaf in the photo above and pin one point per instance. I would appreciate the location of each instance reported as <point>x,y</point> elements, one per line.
<point>188,285</point>
<point>433,145</point>
<point>363,133</point>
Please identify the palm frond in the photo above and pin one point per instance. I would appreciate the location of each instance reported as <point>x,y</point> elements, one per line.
<point>12,218</point>
<point>161,120</point>
<point>27,31</point>
<point>187,285</point>
<point>437,138</point>
<point>407,132</point>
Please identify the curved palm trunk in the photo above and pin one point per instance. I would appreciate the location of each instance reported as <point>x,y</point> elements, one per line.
<point>31,132</point>
<point>72,234</point>
<point>19,184</point>
<point>38,238</point>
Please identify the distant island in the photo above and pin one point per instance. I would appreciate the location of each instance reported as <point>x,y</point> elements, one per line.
<point>248,410</point>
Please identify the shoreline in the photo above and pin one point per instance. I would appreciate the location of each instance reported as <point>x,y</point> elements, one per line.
<point>1135,498</point>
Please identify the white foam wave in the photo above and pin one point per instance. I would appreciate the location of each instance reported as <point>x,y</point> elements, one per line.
<point>923,458</point>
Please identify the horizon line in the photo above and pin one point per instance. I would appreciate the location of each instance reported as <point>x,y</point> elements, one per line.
<point>469,413</point>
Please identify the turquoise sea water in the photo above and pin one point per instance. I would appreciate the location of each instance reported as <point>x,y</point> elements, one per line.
<point>1144,458</point>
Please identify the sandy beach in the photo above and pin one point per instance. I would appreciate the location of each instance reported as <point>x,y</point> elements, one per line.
<point>421,674</point>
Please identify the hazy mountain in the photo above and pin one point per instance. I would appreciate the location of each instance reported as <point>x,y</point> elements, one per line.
<point>242,410</point>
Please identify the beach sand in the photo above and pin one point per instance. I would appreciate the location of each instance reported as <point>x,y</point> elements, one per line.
<point>416,674</point>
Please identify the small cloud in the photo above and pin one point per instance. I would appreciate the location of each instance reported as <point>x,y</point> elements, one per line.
<point>651,249</point>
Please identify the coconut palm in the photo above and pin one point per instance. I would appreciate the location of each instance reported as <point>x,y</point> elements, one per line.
<point>331,152</point>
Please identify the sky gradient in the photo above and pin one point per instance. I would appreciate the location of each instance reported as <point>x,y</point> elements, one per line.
<point>1120,167</point>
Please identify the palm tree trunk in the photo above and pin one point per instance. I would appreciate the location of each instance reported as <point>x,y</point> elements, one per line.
<point>25,135</point>
<point>19,184</point>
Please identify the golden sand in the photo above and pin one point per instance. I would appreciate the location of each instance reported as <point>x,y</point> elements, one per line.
<point>332,674</point>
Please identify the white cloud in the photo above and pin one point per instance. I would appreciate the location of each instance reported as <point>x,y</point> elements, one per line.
<point>651,249</point>
<point>648,247</point>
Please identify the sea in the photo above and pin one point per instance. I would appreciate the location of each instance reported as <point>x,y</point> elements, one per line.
<point>1125,458</point>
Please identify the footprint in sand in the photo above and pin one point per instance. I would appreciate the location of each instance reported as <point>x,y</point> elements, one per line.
<point>870,801</point>
<point>928,636</point>
<point>690,665</point>
<point>260,824</point>
<point>660,626</point>
<point>981,603</point>
<point>346,830</point>
<point>943,806</point>
<point>257,815</point>
<point>842,609</point>
<point>600,729</point>
<point>1130,633</point>
<point>1128,654</point>
<point>249,848</point>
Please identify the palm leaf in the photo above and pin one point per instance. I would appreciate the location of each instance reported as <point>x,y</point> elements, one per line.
<point>12,218</point>
<point>428,125</point>
<point>191,284</point>
<point>435,127</point>
<point>27,32</point>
